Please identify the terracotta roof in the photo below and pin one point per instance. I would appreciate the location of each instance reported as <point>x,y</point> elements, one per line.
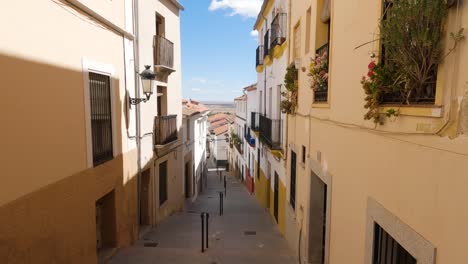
<point>220,116</point>
<point>191,107</point>
<point>250,88</point>
<point>241,98</point>
<point>221,130</point>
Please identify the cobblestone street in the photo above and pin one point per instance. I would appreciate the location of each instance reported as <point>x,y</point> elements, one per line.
<point>178,238</point>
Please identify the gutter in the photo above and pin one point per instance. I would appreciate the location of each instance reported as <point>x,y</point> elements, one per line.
<point>88,11</point>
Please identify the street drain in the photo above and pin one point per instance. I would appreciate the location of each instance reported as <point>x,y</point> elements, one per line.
<point>250,233</point>
<point>150,244</point>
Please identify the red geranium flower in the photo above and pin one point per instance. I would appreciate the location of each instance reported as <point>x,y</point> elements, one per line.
<point>370,73</point>
<point>371,65</point>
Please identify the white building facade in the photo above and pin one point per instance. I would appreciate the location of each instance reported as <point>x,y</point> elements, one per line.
<point>195,124</point>
<point>271,64</point>
<point>160,123</point>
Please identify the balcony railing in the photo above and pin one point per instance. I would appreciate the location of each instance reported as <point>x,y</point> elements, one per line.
<point>278,29</point>
<point>424,97</point>
<point>163,52</point>
<point>254,121</point>
<point>321,95</point>
<point>270,132</point>
<point>266,43</point>
<point>165,129</point>
<point>259,55</point>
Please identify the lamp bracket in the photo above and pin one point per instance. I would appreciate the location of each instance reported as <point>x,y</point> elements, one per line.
<point>135,101</point>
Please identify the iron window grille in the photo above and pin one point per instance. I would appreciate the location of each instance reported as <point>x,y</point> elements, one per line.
<point>321,95</point>
<point>387,250</point>
<point>101,118</point>
<point>266,43</point>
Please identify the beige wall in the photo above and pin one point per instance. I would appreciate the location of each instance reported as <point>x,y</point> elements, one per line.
<point>420,179</point>
<point>44,93</point>
<point>49,191</point>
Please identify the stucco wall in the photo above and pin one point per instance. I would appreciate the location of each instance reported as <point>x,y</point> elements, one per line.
<point>417,178</point>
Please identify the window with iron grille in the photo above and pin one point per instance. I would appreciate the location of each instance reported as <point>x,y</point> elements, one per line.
<point>101,117</point>
<point>292,194</point>
<point>162,183</point>
<point>387,250</point>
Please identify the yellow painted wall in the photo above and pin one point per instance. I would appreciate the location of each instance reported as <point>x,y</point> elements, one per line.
<point>421,179</point>
<point>281,205</point>
<point>57,224</point>
<point>262,187</point>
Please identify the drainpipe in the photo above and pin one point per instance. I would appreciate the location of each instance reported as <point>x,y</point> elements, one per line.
<point>137,107</point>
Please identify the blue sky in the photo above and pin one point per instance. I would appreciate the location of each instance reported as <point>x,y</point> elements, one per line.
<point>218,48</point>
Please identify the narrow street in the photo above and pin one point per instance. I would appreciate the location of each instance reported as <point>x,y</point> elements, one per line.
<point>178,238</point>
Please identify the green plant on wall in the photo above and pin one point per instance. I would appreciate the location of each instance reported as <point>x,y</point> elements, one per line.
<point>411,35</point>
<point>289,103</point>
<point>235,139</point>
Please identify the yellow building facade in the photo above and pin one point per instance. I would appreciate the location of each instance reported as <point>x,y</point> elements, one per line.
<point>353,182</point>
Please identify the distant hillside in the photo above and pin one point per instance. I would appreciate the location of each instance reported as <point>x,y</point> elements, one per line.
<point>220,107</point>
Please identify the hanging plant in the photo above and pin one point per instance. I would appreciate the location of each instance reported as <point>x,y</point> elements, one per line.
<point>289,103</point>
<point>411,34</point>
<point>318,70</point>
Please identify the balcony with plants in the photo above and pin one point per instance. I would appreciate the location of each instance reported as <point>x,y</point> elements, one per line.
<point>411,51</point>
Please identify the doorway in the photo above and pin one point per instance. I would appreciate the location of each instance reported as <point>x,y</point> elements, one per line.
<point>317,220</point>
<point>275,198</point>
<point>145,198</point>
<point>187,180</point>
<point>105,223</point>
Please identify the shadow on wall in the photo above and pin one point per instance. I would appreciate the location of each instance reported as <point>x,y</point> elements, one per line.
<point>48,198</point>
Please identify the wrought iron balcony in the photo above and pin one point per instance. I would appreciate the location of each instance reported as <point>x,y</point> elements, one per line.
<point>270,132</point>
<point>259,55</point>
<point>165,129</point>
<point>279,29</point>
<point>254,121</point>
<point>163,52</point>
<point>321,95</point>
<point>266,43</point>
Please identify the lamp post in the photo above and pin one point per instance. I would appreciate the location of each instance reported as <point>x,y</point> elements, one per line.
<point>147,81</point>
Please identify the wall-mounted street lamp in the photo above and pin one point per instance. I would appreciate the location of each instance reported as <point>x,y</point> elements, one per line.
<point>147,80</point>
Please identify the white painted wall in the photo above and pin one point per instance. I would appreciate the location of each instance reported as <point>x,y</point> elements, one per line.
<point>147,29</point>
<point>272,77</point>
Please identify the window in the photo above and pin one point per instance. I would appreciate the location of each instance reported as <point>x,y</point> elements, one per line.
<point>292,194</point>
<point>101,117</point>
<point>387,250</point>
<point>160,25</point>
<point>162,101</point>
<point>322,43</point>
<point>162,183</point>
<point>303,154</point>
<point>427,94</point>
<point>308,24</point>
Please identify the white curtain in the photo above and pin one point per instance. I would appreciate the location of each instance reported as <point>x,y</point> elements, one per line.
<point>325,15</point>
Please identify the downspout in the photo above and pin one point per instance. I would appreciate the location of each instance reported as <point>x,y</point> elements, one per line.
<point>289,61</point>
<point>137,107</point>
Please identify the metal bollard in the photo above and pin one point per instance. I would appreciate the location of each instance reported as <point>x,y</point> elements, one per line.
<point>202,215</point>
<point>221,203</point>
<point>206,222</point>
<point>225,187</point>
